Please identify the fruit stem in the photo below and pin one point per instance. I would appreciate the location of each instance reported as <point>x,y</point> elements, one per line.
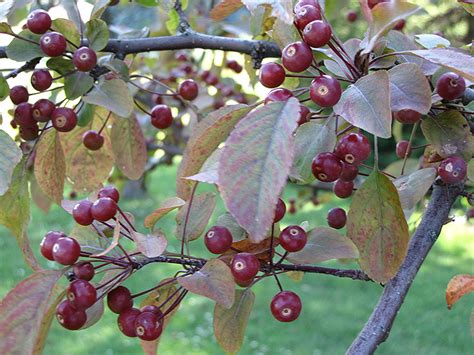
<point>141,107</point>
<point>412,136</point>
<point>126,218</point>
<point>186,219</point>
<point>277,280</point>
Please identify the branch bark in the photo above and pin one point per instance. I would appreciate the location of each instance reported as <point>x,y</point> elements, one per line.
<point>378,327</point>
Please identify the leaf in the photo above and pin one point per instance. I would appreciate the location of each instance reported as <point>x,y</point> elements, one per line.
<point>280,9</point>
<point>255,164</point>
<point>129,147</point>
<point>113,244</point>
<point>260,250</point>
<point>378,228</point>
<point>10,156</point>
<point>119,67</point>
<point>5,28</point>
<point>38,196</point>
<point>88,239</point>
<point>204,140</point>
<point>450,134</point>
<point>385,16</point>
<point>324,244</point>
<point>94,313</point>
<point>454,59</point>
<point>99,8</point>
<point>224,9</point>
<point>468,5</point>
<point>69,30</point>
<point>166,207</point>
<point>150,245</point>
<point>26,313</point>
<point>4,88</point>
<point>336,65</point>
<point>411,188</point>
<point>200,212</point>
<point>230,324</point>
<point>226,220</point>
<point>366,104</point>
<point>458,286</point>
<point>97,33</point>
<point>113,95</point>
<point>209,170</point>
<point>214,280</point>
<point>311,138</point>
<point>430,41</point>
<point>172,22</point>
<point>409,88</point>
<point>15,211</point>
<point>20,50</point>
<point>50,166</point>
<point>77,84</point>
<point>61,65</point>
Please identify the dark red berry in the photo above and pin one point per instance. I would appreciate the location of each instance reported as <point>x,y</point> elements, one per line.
<point>69,317</point>
<point>81,294</point>
<point>349,172</point>
<point>66,251</point>
<point>82,213</point>
<point>325,91</point>
<point>43,109</point>
<point>153,309</point>
<point>452,170</point>
<point>244,266</point>
<point>407,116</point>
<point>302,3</point>
<point>92,140</point>
<point>188,89</point>
<point>293,238</point>
<point>271,75</point>
<point>343,189</point>
<point>326,167</point>
<point>244,283</point>
<point>403,149</point>
<point>212,79</point>
<point>286,306</point>
<point>450,86</point>
<point>279,94</point>
<point>317,33</point>
<point>351,16</point>
<point>148,326</point>
<point>109,191</point>
<point>161,116</point>
<point>305,115</point>
<point>372,3</point>
<point>84,271</point>
<point>297,57</point>
<point>38,21</point>
<point>157,99</point>
<point>182,57</point>
<point>337,218</point>
<point>24,114</point>
<point>218,239</point>
<point>64,119</point>
<point>236,67</point>
<point>104,209</point>
<point>305,15</point>
<point>29,132</point>
<point>353,148</point>
<point>53,44</point>
<point>280,211</point>
<point>46,246</point>
<point>19,94</point>
<point>41,79</point>
<point>399,25</point>
<point>84,59</point>
<point>126,322</point>
<point>119,299</point>
<point>13,124</point>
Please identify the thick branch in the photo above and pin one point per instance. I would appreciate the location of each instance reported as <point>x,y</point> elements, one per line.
<point>257,49</point>
<point>378,327</point>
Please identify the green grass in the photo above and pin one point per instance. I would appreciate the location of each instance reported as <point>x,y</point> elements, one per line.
<point>334,310</point>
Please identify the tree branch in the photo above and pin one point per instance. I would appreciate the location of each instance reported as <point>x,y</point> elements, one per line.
<point>122,47</point>
<point>378,327</point>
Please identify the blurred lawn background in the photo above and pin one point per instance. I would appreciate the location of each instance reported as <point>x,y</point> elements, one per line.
<point>334,310</point>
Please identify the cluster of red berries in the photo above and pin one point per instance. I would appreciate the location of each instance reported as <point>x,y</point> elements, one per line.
<point>102,209</point>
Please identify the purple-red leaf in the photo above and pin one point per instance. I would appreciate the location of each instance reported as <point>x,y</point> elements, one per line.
<point>150,245</point>
<point>255,163</point>
<point>224,9</point>
<point>26,313</point>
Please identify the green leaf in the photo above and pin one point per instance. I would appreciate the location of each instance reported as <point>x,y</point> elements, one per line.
<point>366,104</point>
<point>61,65</point>
<point>204,140</point>
<point>21,51</point>
<point>99,8</point>
<point>97,33</point>
<point>226,220</point>
<point>119,67</point>
<point>77,84</point>
<point>85,115</point>
<point>88,239</point>
<point>4,88</point>
<point>199,215</point>
<point>450,134</point>
<point>50,165</point>
<point>255,163</point>
<point>324,244</point>
<point>165,207</point>
<point>10,156</point>
<point>430,41</point>
<point>113,95</point>
<point>230,324</point>
<point>5,28</point>
<point>409,88</point>
<point>214,280</point>
<point>378,228</point>
<point>150,245</point>
<point>26,313</point>
<point>311,139</point>
<point>69,30</point>
<point>454,59</point>
<point>173,21</point>
<point>280,9</point>
<point>129,147</point>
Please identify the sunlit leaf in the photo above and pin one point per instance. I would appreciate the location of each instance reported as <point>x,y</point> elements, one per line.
<point>10,156</point>
<point>199,214</point>
<point>458,286</point>
<point>165,207</point>
<point>411,188</point>
<point>225,8</point>
<point>430,41</point>
<point>150,245</point>
<point>69,30</point>
<point>97,33</point>
<point>4,88</point>
<point>280,9</point>
<point>113,95</point>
